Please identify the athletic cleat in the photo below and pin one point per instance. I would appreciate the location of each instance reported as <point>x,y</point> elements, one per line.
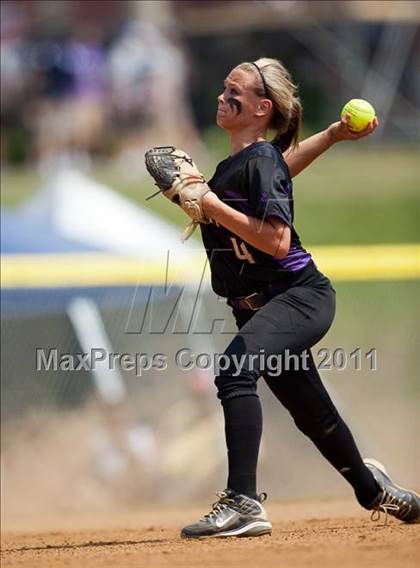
<point>231,515</point>
<point>401,503</point>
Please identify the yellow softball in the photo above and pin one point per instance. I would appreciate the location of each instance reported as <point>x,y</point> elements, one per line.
<point>361,113</point>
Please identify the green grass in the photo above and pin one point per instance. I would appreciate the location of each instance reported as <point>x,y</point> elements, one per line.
<point>355,193</point>
<point>381,315</point>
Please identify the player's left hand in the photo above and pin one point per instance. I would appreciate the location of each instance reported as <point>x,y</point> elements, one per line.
<point>340,130</point>
<point>180,181</point>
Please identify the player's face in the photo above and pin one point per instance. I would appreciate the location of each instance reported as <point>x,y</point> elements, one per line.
<point>238,104</point>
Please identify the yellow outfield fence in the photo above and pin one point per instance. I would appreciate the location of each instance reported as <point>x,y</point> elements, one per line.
<point>346,263</point>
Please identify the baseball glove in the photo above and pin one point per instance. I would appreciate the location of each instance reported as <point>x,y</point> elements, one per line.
<point>179,179</point>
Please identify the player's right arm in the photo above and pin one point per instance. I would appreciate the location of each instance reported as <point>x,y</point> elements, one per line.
<point>308,150</point>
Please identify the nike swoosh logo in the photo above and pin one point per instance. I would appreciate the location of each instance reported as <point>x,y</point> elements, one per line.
<point>222,522</point>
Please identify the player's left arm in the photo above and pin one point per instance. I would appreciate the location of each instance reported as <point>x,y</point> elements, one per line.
<point>308,150</point>
<point>269,235</point>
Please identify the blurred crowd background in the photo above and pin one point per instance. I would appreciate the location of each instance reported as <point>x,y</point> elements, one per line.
<point>86,87</point>
<point>89,79</point>
<point>102,79</point>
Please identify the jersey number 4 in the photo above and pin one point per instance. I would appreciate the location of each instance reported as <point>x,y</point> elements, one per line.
<point>241,251</point>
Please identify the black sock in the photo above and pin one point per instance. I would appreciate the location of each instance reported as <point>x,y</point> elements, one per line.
<point>243,428</point>
<point>340,449</point>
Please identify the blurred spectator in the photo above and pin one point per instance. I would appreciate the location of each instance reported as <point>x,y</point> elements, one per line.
<point>148,78</point>
<point>76,81</point>
<point>13,80</point>
<point>68,97</point>
<point>67,114</point>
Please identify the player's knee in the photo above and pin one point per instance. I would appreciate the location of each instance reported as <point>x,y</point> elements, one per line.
<point>230,385</point>
<point>318,427</point>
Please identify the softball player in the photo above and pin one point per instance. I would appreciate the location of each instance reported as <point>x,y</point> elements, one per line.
<point>279,299</point>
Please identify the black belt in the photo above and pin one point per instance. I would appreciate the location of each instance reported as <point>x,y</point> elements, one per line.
<point>308,275</point>
<point>256,300</point>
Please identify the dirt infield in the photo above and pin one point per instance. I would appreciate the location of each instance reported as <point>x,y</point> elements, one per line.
<point>327,534</point>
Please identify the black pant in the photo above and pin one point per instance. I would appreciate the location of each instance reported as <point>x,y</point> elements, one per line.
<point>289,324</point>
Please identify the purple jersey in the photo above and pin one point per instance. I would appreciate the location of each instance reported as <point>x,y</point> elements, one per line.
<point>255,181</point>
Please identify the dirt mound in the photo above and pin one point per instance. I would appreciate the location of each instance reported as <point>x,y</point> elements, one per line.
<point>304,534</point>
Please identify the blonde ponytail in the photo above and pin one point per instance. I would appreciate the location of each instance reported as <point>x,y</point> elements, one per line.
<point>290,138</point>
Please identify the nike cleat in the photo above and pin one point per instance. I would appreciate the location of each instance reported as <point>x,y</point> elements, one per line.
<point>401,503</point>
<point>231,515</point>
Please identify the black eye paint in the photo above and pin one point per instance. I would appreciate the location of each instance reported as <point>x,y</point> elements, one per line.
<point>234,104</point>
